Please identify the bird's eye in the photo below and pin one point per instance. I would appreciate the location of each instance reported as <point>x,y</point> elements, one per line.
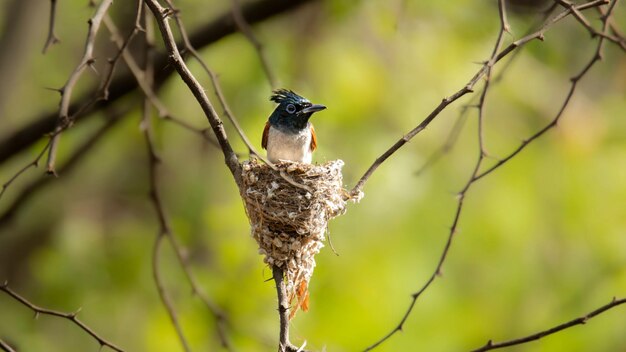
<point>291,108</point>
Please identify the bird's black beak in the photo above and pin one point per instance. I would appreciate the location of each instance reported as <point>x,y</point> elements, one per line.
<point>311,109</point>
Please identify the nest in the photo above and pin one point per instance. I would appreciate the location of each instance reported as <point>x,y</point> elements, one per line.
<point>289,209</point>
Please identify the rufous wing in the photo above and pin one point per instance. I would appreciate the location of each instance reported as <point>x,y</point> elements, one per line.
<point>266,132</point>
<point>313,139</point>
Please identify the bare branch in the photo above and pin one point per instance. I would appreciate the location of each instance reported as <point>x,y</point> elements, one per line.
<point>34,163</point>
<point>160,14</point>
<point>245,29</point>
<point>80,152</point>
<point>52,38</point>
<point>585,23</point>
<point>122,85</point>
<point>486,70</point>
<point>6,347</point>
<point>597,56</point>
<point>455,131</point>
<point>616,32</point>
<point>218,314</point>
<point>468,88</point>
<point>66,91</point>
<point>188,47</point>
<point>165,298</point>
<point>142,78</point>
<point>122,44</point>
<point>490,345</point>
<point>69,316</point>
<point>153,160</point>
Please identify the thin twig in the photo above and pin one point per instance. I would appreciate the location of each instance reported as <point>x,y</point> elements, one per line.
<point>69,316</point>
<point>34,163</point>
<point>585,23</point>
<point>52,38</point>
<point>6,347</point>
<point>214,81</point>
<point>165,298</point>
<point>468,88</point>
<point>122,44</point>
<point>459,123</point>
<point>66,91</point>
<point>616,32</point>
<point>597,56</point>
<point>504,28</point>
<point>160,14</point>
<point>490,345</point>
<point>123,84</point>
<point>142,78</point>
<point>102,94</point>
<point>246,30</point>
<point>153,161</point>
<point>218,314</point>
<point>79,154</point>
<point>188,47</point>
<point>482,153</point>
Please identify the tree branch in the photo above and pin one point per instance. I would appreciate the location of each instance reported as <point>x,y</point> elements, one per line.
<point>160,14</point>
<point>165,229</point>
<point>188,47</point>
<point>6,347</point>
<point>597,56</point>
<point>79,154</point>
<point>52,38</point>
<point>486,71</point>
<point>155,197</point>
<point>163,295</point>
<point>246,30</point>
<point>213,31</point>
<point>66,91</point>
<point>468,88</point>
<point>490,345</point>
<point>34,163</point>
<point>69,316</point>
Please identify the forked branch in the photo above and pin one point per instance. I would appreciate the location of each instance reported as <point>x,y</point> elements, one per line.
<point>490,345</point>
<point>68,316</point>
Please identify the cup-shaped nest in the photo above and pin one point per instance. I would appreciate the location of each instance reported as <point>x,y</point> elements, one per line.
<point>289,209</point>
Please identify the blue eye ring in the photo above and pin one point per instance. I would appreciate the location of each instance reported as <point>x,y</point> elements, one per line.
<point>291,108</point>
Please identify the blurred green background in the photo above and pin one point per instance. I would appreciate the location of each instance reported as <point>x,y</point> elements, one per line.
<point>540,241</point>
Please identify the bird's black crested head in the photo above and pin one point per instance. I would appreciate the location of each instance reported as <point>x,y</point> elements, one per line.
<point>293,111</point>
<point>283,95</point>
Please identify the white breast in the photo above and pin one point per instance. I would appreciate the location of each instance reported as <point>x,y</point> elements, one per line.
<point>289,147</point>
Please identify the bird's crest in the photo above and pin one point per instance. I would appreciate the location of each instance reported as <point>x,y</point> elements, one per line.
<point>285,95</point>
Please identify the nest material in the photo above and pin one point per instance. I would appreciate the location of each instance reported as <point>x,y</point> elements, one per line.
<point>289,209</point>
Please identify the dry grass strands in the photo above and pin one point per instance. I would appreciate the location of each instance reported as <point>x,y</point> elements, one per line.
<point>289,215</point>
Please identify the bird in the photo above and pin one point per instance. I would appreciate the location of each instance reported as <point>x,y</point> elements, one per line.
<point>288,134</point>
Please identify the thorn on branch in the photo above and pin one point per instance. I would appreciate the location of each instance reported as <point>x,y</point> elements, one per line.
<point>58,90</point>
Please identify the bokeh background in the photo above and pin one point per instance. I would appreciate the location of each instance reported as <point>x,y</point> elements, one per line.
<point>540,241</point>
